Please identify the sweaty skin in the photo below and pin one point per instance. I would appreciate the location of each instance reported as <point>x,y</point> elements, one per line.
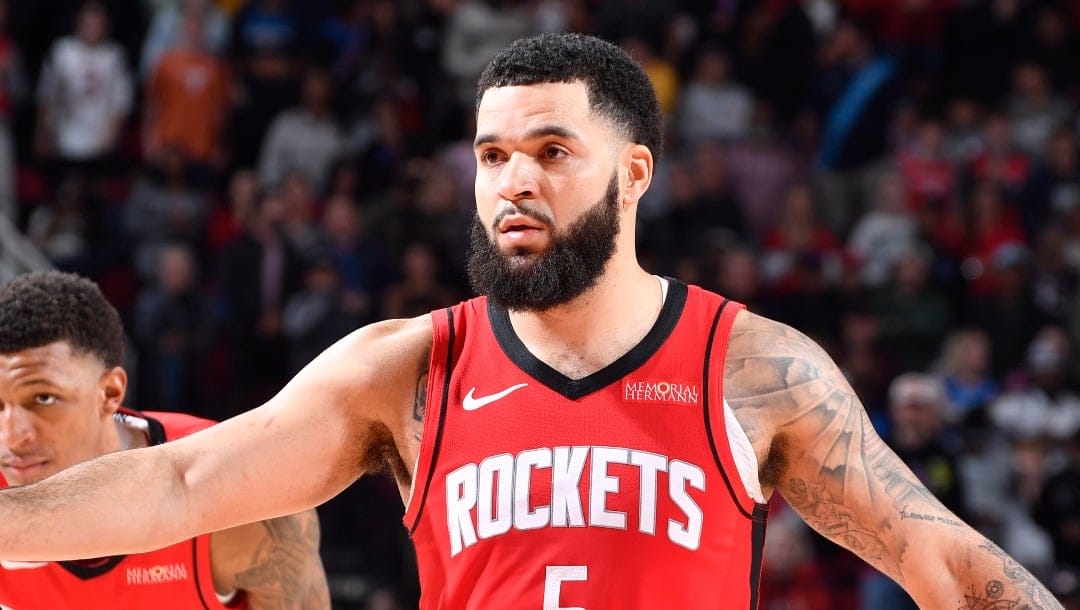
<point>359,406</point>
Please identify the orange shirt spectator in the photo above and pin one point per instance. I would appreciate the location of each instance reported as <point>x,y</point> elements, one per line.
<point>187,99</point>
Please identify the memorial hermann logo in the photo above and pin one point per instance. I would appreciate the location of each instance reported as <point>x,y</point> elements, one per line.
<point>669,392</point>
<point>155,575</point>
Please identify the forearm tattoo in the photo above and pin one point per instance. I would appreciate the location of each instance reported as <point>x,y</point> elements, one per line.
<point>836,472</point>
<point>285,570</point>
<point>1017,589</point>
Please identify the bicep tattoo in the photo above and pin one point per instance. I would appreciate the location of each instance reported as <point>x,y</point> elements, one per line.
<point>420,403</point>
<point>824,455</point>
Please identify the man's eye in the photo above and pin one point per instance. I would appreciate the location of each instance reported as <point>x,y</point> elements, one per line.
<point>45,399</point>
<point>554,152</point>
<point>489,157</point>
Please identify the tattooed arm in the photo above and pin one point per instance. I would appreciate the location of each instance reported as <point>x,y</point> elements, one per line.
<point>821,452</point>
<point>274,563</point>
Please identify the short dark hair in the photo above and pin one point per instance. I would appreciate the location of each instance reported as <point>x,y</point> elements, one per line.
<point>618,87</point>
<point>43,307</point>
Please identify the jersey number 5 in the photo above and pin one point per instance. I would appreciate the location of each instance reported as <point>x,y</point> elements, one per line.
<point>556,576</point>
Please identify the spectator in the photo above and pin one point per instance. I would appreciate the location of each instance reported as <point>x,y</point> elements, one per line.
<point>855,100</point>
<point>362,264</point>
<point>1035,110</point>
<point>164,207</point>
<point>299,213</point>
<point>1058,509</point>
<point>712,105</point>
<point>693,214</point>
<point>798,234</point>
<point>258,271</point>
<point>883,233</point>
<point>421,288</point>
<point>762,169</point>
<point>61,227</point>
<point>85,93</point>
<point>172,330</point>
<point>927,172</point>
<point>167,31</point>
<point>993,224</point>
<point>1001,161</point>
<point>316,316</point>
<point>964,368</point>
<point>475,31</point>
<point>914,314</point>
<point>1045,406</point>
<point>1054,188</point>
<point>305,140</point>
<point>662,73</point>
<point>792,579</point>
<point>1007,313</point>
<point>266,43</point>
<point>963,137</point>
<point>187,100</point>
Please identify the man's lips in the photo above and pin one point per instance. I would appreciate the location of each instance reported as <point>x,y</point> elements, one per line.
<point>22,463</point>
<point>519,222</point>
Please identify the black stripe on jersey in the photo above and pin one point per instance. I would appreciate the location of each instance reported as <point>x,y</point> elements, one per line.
<point>195,570</point>
<point>705,402</point>
<point>442,418</point>
<point>85,570</point>
<point>573,389</point>
<point>757,551</point>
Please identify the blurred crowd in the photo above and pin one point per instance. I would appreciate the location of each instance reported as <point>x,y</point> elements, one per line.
<point>900,179</point>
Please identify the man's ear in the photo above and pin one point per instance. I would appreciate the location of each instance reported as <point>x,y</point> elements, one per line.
<point>638,169</point>
<point>112,387</point>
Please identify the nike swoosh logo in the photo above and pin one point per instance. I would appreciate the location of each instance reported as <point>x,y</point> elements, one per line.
<point>472,403</point>
<point>22,565</point>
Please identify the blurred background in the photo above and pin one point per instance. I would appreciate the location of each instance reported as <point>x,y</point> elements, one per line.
<point>250,180</point>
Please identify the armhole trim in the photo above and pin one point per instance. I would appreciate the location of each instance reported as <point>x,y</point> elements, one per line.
<point>721,328</point>
<point>433,426</point>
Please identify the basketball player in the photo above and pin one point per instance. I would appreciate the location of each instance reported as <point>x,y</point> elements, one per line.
<point>61,385</point>
<point>584,436</point>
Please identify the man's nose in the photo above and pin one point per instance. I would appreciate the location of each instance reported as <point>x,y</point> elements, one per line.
<point>517,180</point>
<point>16,425</point>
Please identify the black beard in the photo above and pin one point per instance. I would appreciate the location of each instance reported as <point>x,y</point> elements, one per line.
<point>538,282</point>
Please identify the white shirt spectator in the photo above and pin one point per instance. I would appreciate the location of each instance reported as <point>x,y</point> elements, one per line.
<point>84,91</point>
<point>299,141</point>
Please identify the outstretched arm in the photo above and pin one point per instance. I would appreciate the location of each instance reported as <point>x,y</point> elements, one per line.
<point>837,473</point>
<point>275,563</point>
<point>335,420</point>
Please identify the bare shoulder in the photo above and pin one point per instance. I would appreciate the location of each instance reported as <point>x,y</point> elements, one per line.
<point>274,563</point>
<point>771,372</point>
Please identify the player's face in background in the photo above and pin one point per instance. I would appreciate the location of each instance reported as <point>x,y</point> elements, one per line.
<point>55,406</point>
<point>547,195</point>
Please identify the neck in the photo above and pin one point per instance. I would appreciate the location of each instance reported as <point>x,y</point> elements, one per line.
<point>597,327</point>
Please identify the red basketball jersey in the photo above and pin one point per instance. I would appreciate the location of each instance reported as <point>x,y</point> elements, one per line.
<point>177,577</point>
<point>616,491</point>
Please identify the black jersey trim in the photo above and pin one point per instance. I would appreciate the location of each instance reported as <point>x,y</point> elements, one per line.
<point>573,389</point>
<point>442,419</point>
<point>757,551</point>
<point>83,571</point>
<point>705,377</point>
<point>195,569</point>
